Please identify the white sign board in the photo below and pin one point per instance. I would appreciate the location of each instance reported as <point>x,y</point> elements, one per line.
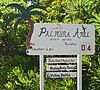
<point>61,74</point>
<point>62,39</point>
<point>61,67</point>
<point>61,60</point>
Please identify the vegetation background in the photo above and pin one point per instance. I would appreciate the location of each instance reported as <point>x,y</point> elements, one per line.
<point>21,72</point>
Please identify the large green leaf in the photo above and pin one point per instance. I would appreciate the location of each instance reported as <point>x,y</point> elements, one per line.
<point>17,6</point>
<point>36,6</point>
<point>38,14</point>
<point>13,16</point>
<point>17,22</point>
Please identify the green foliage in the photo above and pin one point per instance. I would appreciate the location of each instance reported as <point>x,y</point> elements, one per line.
<point>91,72</point>
<point>7,63</point>
<point>56,11</point>
<point>32,1</point>
<point>60,84</point>
<point>18,80</point>
<point>79,11</point>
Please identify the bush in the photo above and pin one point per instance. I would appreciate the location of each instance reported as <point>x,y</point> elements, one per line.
<point>60,84</point>
<point>19,80</point>
<point>7,63</point>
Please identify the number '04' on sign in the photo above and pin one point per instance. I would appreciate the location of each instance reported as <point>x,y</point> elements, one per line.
<point>86,47</point>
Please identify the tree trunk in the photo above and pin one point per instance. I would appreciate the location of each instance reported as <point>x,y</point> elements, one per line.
<point>28,38</point>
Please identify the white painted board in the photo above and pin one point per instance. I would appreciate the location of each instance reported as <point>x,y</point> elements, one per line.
<point>61,60</point>
<point>61,74</point>
<point>62,39</point>
<point>60,67</point>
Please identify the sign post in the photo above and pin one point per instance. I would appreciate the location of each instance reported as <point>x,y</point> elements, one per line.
<point>79,72</point>
<point>41,72</point>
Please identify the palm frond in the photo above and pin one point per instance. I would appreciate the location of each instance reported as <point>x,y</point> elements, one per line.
<point>17,22</point>
<point>36,6</point>
<point>17,6</point>
<point>38,14</point>
<point>11,18</point>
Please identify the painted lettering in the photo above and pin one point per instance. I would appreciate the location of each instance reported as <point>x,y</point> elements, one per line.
<point>81,34</point>
<point>43,30</point>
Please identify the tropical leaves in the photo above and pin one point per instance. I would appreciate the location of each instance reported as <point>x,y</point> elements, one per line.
<point>17,6</point>
<point>96,20</point>
<point>79,10</point>
<point>25,13</point>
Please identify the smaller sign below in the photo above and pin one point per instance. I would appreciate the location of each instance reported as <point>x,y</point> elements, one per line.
<point>61,67</point>
<point>62,60</point>
<point>61,74</point>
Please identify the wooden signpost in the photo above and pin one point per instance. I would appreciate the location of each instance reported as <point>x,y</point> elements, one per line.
<point>62,39</point>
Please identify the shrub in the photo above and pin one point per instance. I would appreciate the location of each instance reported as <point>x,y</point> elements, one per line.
<point>17,79</point>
